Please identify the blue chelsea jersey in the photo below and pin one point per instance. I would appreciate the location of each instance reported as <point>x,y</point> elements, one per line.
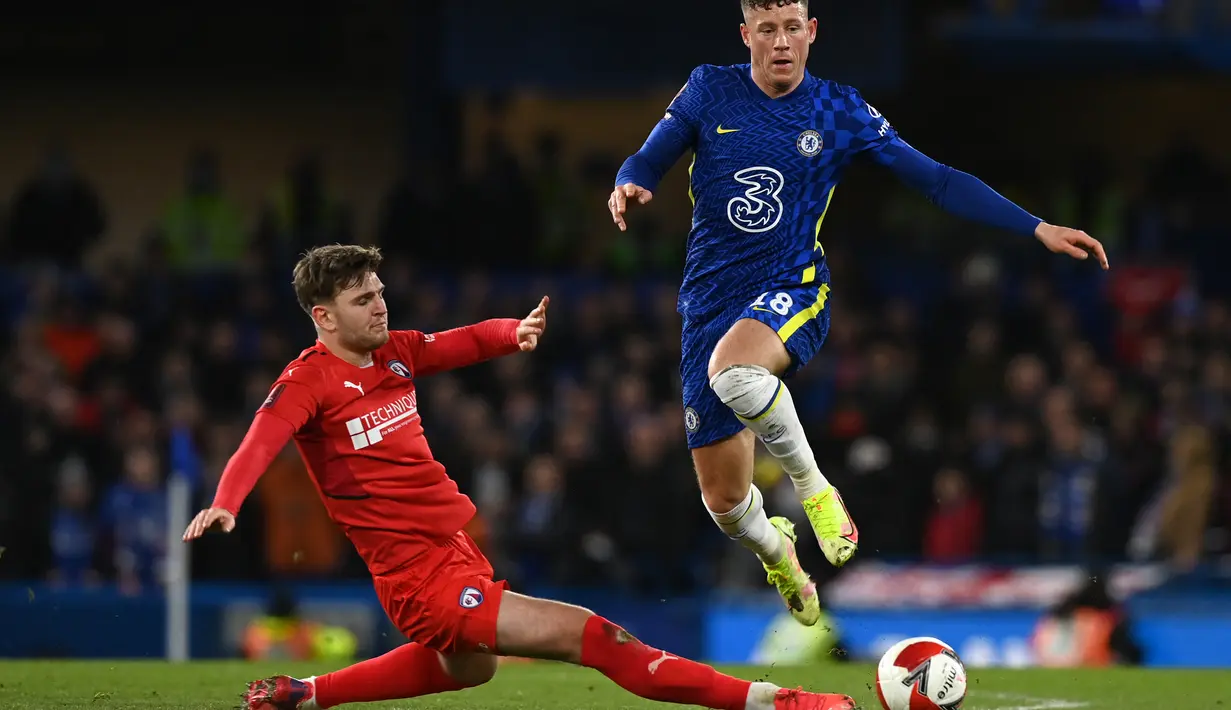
<point>763,176</point>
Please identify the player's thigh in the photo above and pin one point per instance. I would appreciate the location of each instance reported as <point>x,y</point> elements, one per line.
<point>724,470</point>
<point>707,420</point>
<point>530,627</point>
<point>447,600</point>
<point>469,668</point>
<point>781,330</point>
<point>750,342</point>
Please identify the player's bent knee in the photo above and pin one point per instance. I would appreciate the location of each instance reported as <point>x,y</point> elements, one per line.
<point>749,390</point>
<point>470,669</point>
<point>722,500</point>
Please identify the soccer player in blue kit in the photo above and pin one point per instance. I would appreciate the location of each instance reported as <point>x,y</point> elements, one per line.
<point>769,143</point>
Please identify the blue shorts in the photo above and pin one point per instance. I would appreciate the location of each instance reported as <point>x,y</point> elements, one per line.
<point>799,314</point>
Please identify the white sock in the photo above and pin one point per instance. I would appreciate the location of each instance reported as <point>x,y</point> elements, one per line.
<point>310,703</point>
<point>763,403</point>
<point>761,696</point>
<point>747,524</point>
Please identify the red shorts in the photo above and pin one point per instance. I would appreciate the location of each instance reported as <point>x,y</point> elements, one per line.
<point>445,598</point>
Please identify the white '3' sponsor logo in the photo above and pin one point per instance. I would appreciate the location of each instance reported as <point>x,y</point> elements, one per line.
<point>759,209</point>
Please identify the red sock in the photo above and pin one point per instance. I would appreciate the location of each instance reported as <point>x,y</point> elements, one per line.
<point>654,674</point>
<point>405,672</point>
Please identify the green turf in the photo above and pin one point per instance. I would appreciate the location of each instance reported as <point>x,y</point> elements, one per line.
<point>104,685</point>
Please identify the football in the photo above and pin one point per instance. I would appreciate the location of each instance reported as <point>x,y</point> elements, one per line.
<point>921,674</point>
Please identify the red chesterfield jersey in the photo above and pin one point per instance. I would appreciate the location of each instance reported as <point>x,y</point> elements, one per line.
<point>361,438</point>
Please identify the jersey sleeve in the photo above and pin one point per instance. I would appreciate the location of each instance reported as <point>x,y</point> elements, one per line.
<point>291,403</point>
<point>294,397</point>
<point>675,132</point>
<point>870,132</point>
<point>952,190</point>
<point>430,353</point>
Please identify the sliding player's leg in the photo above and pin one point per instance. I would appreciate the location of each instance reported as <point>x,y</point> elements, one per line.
<point>775,335</point>
<point>408,671</point>
<point>446,603</point>
<point>539,628</point>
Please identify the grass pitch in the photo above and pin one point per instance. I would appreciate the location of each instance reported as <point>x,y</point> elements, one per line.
<point>116,685</point>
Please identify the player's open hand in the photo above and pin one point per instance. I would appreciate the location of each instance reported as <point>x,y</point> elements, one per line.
<point>621,197</point>
<point>532,326</point>
<point>1074,242</point>
<point>209,518</point>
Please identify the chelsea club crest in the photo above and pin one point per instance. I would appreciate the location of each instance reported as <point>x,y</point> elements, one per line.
<point>691,421</point>
<point>809,143</point>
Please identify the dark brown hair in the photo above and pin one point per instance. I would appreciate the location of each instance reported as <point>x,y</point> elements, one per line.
<point>324,272</point>
<point>769,4</point>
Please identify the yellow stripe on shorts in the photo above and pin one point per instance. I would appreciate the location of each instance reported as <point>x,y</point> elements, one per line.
<point>811,312</point>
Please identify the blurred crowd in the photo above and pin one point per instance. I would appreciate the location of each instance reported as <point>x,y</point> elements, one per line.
<point>978,399</point>
<point>1202,16</point>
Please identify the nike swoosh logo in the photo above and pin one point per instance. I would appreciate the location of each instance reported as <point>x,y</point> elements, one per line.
<point>722,130</point>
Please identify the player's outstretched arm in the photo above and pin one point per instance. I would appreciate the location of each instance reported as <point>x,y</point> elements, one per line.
<point>641,173</point>
<point>471,344</point>
<point>265,438</point>
<point>292,401</point>
<point>675,133</point>
<point>957,192</point>
<point>967,196</point>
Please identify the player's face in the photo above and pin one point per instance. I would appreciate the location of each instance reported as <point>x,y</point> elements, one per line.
<point>358,317</point>
<point>779,39</point>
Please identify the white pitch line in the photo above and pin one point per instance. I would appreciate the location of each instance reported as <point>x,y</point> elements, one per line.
<point>1031,703</point>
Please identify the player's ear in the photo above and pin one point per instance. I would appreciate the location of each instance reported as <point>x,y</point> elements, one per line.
<point>811,30</point>
<point>323,318</point>
<point>744,35</point>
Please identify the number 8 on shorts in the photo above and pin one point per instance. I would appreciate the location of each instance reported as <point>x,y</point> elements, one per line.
<point>799,316</point>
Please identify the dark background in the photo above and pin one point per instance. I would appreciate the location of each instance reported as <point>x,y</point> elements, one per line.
<point>978,398</point>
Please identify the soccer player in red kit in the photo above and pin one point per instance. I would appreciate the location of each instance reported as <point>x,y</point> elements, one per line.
<point>349,402</point>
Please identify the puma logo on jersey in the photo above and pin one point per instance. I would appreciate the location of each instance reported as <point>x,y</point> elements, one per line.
<point>653,668</point>
<point>352,385</point>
